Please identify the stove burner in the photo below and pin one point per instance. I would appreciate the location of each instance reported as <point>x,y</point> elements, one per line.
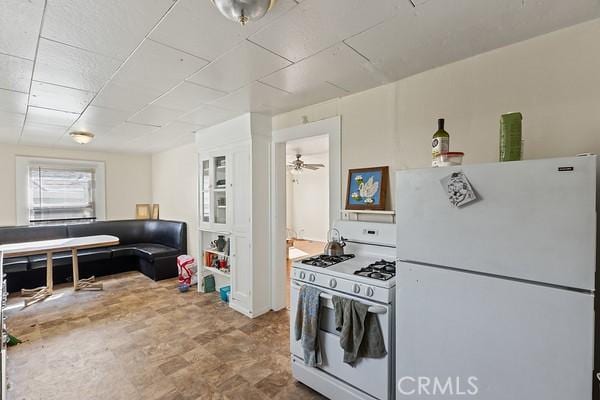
<point>381,270</point>
<point>324,261</point>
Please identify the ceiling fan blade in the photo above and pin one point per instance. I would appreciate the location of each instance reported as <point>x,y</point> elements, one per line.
<point>311,167</point>
<point>315,165</point>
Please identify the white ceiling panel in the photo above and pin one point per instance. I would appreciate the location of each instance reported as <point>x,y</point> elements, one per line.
<point>14,102</point>
<point>187,96</point>
<point>208,115</point>
<point>198,68</point>
<point>10,126</point>
<point>15,73</point>
<point>155,115</point>
<point>129,130</point>
<point>50,117</point>
<point>313,95</point>
<point>95,116</point>
<point>46,95</point>
<point>157,67</point>
<point>178,128</point>
<point>339,65</point>
<point>198,28</point>
<point>125,98</point>
<point>315,25</point>
<point>110,27</point>
<point>413,42</point>
<point>35,133</point>
<point>256,97</point>
<point>20,21</point>
<point>240,66</point>
<point>69,66</point>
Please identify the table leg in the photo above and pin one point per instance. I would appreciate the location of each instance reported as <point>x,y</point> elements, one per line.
<point>40,293</point>
<point>81,284</point>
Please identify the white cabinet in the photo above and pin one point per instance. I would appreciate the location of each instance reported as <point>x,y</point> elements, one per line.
<point>233,200</point>
<point>214,191</point>
<point>241,280</point>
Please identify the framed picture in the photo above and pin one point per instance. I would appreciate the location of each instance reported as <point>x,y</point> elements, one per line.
<point>367,188</point>
<point>142,211</point>
<point>155,211</point>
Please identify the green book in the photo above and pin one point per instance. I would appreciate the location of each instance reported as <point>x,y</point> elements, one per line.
<point>510,136</point>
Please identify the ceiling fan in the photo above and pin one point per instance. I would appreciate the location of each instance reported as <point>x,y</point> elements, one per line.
<point>297,166</point>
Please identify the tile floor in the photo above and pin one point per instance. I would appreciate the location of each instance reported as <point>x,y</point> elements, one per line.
<point>140,339</point>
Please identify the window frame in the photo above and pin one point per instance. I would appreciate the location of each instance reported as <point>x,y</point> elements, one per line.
<point>23,164</point>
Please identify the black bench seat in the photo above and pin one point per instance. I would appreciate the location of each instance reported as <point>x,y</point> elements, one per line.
<point>150,246</point>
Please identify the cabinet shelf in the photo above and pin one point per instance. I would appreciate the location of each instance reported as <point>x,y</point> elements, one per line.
<point>217,271</point>
<point>219,253</point>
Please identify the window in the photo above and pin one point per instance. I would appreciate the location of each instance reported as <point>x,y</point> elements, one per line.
<point>52,191</point>
<point>61,194</point>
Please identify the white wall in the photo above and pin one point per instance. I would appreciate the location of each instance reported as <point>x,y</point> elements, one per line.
<point>308,200</point>
<point>128,178</point>
<point>174,183</point>
<point>552,79</point>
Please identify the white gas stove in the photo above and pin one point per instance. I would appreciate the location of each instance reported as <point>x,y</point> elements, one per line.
<point>365,273</point>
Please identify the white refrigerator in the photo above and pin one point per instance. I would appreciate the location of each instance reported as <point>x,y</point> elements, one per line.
<point>495,299</point>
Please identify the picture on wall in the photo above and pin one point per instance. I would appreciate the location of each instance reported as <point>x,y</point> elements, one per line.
<point>367,188</point>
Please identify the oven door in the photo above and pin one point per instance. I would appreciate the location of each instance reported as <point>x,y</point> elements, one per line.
<point>370,375</point>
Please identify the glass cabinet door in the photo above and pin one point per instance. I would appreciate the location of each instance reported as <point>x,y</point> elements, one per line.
<point>205,190</point>
<point>220,190</point>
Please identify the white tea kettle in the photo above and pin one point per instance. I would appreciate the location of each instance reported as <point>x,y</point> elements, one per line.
<point>334,247</point>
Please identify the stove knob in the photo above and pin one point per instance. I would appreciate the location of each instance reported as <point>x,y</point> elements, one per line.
<point>302,275</point>
<point>332,283</point>
<point>370,292</point>
<point>356,288</point>
<point>312,277</point>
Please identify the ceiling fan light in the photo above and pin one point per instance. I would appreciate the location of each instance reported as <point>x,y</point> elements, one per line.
<point>81,137</point>
<point>243,11</point>
<point>295,171</point>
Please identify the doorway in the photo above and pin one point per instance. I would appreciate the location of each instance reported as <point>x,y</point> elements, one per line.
<point>307,189</point>
<point>323,140</point>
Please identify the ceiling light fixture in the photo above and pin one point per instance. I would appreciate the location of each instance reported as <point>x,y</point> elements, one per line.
<point>243,11</point>
<point>82,137</point>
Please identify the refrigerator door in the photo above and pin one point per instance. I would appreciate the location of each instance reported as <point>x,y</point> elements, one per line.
<point>534,220</point>
<point>515,340</point>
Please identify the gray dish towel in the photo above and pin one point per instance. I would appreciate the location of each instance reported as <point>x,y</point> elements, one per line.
<point>360,333</point>
<point>307,324</point>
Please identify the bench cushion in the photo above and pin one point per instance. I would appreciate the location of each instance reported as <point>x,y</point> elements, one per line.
<point>15,264</point>
<point>150,251</point>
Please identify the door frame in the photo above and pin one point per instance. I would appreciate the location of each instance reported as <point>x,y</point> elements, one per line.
<point>331,127</point>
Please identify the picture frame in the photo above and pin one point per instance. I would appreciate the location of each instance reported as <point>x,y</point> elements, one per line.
<point>367,188</point>
<point>155,211</point>
<point>142,211</point>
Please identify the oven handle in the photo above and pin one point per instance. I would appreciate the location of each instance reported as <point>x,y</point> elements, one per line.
<point>329,302</point>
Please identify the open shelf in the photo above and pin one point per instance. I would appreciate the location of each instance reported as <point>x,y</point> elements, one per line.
<point>217,271</point>
<point>380,212</point>
<point>219,253</point>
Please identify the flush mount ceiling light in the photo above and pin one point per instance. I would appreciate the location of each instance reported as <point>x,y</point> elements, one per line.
<point>81,137</point>
<point>243,11</point>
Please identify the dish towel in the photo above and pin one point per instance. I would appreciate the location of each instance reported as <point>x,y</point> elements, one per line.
<point>360,333</point>
<point>307,324</point>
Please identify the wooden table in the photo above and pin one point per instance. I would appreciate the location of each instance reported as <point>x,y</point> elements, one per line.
<point>49,247</point>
